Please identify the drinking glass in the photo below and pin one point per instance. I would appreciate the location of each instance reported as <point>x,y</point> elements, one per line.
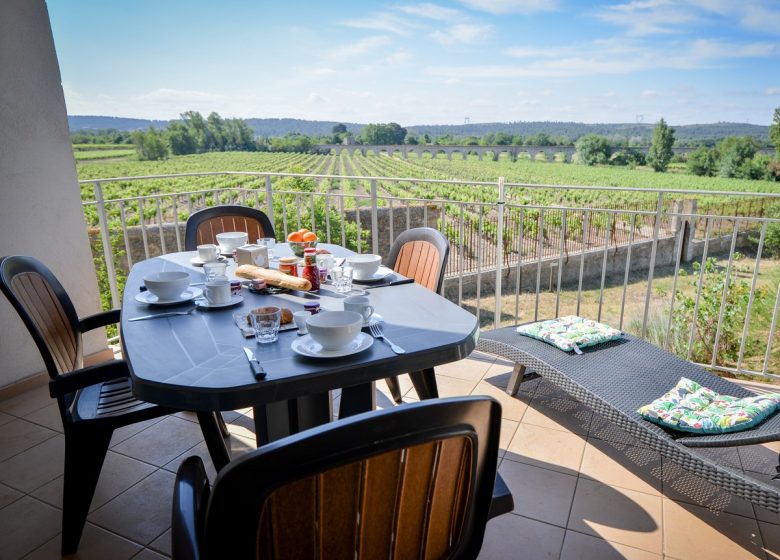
<point>214,269</point>
<point>342,279</point>
<point>325,263</point>
<point>265,321</point>
<point>269,243</point>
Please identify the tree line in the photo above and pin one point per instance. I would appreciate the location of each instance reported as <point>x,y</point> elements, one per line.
<point>733,157</point>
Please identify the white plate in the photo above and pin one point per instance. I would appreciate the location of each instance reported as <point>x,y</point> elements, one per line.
<point>380,274</point>
<point>305,346</point>
<point>151,299</point>
<point>206,305</point>
<point>373,320</point>
<point>195,261</point>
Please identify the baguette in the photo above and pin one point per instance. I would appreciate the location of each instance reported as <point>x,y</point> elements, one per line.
<point>273,277</point>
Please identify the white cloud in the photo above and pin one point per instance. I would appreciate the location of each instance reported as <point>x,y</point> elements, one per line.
<point>359,47</point>
<point>512,6</point>
<point>431,11</point>
<point>315,98</point>
<point>323,71</point>
<point>462,33</point>
<point>180,97</point>
<point>648,17</point>
<point>650,93</point>
<point>398,57</point>
<point>384,21</point>
<point>773,91</point>
<point>537,52</point>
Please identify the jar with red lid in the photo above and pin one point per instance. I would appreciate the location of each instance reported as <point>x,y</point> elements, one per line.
<point>310,270</point>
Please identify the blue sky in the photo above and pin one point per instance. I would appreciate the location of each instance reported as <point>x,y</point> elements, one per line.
<point>689,61</point>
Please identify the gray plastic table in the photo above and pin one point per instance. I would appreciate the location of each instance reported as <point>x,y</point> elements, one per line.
<point>196,362</point>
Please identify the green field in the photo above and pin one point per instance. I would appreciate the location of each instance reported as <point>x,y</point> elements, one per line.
<point>522,171</point>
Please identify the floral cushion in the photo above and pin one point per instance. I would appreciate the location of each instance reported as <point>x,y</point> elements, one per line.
<point>570,333</point>
<point>689,407</point>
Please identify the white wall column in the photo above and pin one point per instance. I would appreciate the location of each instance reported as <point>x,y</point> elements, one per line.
<point>40,204</point>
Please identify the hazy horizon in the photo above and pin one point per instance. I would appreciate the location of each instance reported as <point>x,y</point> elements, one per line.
<point>436,63</point>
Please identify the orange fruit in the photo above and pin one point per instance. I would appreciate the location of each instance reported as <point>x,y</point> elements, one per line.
<point>303,230</point>
<point>295,237</point>
<point>310,236</point>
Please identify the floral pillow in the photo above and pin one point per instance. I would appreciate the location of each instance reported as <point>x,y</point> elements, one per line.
<point>689,407</point>
<point>570,333</point>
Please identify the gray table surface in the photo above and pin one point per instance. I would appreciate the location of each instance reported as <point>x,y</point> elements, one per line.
<point>196,362</point>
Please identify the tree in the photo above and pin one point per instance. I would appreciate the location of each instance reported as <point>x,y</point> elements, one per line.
<point>150,145</point>
<point>390,133</point>
<point>592,149</point>
<point>774,131</point>
<point>736,153</point>
<point>339,128</point>
<point>181,139</point>
<point>703,161</point>
<point>660,153</point>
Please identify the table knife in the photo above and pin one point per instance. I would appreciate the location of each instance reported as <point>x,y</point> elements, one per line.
<point>257,369</point>
<point>393,283</point>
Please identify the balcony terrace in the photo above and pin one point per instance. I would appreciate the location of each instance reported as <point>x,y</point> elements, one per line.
<point>582,488</point>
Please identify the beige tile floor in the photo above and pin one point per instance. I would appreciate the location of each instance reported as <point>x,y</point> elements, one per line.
<point>581,489</point>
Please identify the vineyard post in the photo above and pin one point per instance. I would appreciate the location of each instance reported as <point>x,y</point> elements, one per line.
<point>269,199</point>
<point>499,249</point>
<point>103,221</point>
<point>374,219</point>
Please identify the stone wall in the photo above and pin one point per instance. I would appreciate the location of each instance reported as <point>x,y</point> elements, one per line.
<point>592,266</point>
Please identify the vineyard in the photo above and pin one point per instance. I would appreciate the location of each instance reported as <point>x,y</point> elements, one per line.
<point>144,217</point>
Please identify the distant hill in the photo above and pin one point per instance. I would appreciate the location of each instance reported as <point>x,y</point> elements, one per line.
<point>573,130</point>
<point>78,123</point>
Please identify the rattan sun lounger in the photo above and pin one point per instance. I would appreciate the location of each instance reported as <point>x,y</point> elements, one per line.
<point>616,378</point>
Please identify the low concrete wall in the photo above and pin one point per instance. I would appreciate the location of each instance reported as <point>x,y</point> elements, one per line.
<point>592,266</point>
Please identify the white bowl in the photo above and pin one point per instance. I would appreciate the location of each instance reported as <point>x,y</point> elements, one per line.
<point>334,329</point>
<point>167,285</point>
<point>364,266</point>
<point>230,240</point>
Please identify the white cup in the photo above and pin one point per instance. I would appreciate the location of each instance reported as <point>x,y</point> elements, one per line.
<point>361,305</point>
<point>218,290</point>
<point>300,321</point>
<point>207,252</point>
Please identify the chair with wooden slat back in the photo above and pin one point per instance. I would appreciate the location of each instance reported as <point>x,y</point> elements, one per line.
<point>204,225</point>
<point>93,401</point>
<point>420,253</point>
<point>410,482</point>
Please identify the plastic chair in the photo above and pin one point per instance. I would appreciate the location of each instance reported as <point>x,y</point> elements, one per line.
<point>411,482</point>
<point>204,225</point>
<point>420,253</point>
<point>94,400</point>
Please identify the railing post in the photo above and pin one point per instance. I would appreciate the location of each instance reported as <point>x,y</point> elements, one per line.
<point>499,250</point>
<point>269,200</point>
<point>374,219</point>
<point>659,209</point>
<point>103,221</point>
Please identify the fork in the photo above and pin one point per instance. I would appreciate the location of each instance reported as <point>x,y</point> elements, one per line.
<point>166,314</point>
<point>376,332</point>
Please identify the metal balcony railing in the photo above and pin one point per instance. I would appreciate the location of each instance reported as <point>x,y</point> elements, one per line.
<point>629,264</point>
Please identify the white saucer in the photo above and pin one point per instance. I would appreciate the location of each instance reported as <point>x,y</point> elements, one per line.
<point>151,299</point>
<point>206,305</point>
<point>305,346</point>
<point>373,320</point>
<point>195,261</point>
<point>380,274</point>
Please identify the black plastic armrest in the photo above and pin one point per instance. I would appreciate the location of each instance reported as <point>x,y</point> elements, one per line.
<point>99,320</point>
<point>84,377</point>
<point>190,498</point>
